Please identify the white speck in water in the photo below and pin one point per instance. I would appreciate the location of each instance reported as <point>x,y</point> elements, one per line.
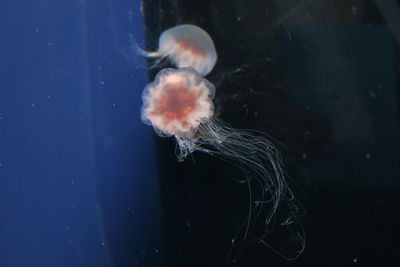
<point>368,155</point>
<point>233,240</point>
<point>33,105</point>
<point>304,155</point>
<point>239,18</point>
<point>102,82</point>
<point>354,10</point>
<point>255,114</point>
<point>1,164</point>
<point>372,94</point>
<point>72,182</point>
<point>188,224</point>
<point>48,96</point>
<point>355,260</point>
<point>113,104</point>
<point>156,250</point>
<point>102,243</point>
<point>49,43</point>
<point>67,228</point>
<point>99,68</point>
<point>37,30</point>
<point>1,118</point>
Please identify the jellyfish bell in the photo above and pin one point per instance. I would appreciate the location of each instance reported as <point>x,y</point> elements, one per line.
<point>187,46</point>
<point>177,102</point>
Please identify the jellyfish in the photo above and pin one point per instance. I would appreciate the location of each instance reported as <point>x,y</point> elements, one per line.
<point>179,104</point>
<point>187,46</point>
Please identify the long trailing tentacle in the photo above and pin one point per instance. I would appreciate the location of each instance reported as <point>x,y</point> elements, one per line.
<point>261,162</point>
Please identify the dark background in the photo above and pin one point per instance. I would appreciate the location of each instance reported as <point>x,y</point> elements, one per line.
<point>321,77</point>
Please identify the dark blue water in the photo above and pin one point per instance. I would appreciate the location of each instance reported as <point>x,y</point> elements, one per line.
<point>77,173</point>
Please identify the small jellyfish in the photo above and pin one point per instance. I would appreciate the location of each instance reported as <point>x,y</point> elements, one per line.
<point>187,46</point>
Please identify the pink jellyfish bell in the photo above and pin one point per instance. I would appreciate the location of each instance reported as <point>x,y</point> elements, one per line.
<point>187,46</point>
<point>177,102</point>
